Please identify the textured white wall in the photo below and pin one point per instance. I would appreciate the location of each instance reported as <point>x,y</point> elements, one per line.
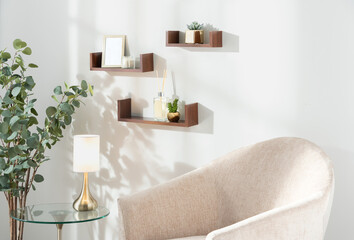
<point>286,69</point>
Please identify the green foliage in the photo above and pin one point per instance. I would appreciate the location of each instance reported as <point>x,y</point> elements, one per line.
<point>195,26</point>
<point>22,141</point>
<point>172,107</point>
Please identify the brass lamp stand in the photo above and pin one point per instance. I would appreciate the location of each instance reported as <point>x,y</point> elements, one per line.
<point>85,201</point>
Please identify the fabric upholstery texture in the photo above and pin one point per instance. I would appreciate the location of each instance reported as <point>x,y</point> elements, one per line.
<point>280,189</point>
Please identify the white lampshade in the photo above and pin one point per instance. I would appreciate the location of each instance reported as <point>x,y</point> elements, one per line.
<point>86,153</point>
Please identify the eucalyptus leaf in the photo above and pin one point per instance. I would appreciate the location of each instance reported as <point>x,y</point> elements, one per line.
<point>9,169</point>
<point>16,126</point>
<point>2,164</point>
<point>14,119</point>
<point>51,111</point>
<point>6,55</point>
<point>27,51</point>
<point>14,67</point>
<point>4,127</point>
<point>12,136</point>
<point>58,90</point>
<point>7,100</point>
<point>76,103</point>
<point>31,163</point>
<point>4,181</point>
<point>65,107</point>
<point>32,65</point>
<point>30,81</point>
<point>17,43</point>
<point>32,121</point>
<point>15,91</point>
<point>38,178</point>
<point>55,98</point>
<point>6,113</point>
<point>67,120</point>
<point>91,90</point>
<point>34,112</point>
<point>84,85</point>
<point>32,142</point>
<point>6,71</point>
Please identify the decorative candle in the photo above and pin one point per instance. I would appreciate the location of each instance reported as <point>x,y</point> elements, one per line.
<point>128,62</point>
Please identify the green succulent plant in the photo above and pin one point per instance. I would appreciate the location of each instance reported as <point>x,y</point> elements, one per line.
<point>23,140</point>
<point>195,26</point>
<point>172,107</point>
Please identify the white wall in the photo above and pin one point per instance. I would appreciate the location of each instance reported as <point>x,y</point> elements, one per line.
<point>286,69</point>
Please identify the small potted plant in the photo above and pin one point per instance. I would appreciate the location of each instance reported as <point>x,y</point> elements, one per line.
<point>173,115</point>
<point>195,34</point>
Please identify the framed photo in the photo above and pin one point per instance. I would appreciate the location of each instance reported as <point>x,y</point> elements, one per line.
<point>113,50</point>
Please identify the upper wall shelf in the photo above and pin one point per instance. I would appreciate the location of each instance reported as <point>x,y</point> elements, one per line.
<point>124,115</point>
<point>215,40</point>
<point>146,64</point>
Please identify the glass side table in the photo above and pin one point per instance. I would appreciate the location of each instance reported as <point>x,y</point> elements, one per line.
<point>57,213</point>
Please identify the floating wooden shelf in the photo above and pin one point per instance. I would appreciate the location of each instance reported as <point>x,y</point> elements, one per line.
<point>124,115</point>
<point>146,63</point>
<point>172,40</point>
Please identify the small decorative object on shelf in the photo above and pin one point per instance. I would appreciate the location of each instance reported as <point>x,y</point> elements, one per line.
<point>160,102</point>
<point>215,40</point>
<point>173,115</point>
<point>128,62</point>
<point>113,50</point>
<point>195,34</point>
<point>160,108</point>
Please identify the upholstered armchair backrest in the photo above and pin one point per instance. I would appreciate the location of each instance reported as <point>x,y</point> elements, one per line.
<point>270,174</point>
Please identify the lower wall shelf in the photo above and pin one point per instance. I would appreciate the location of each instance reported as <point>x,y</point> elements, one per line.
<point>124,115</point>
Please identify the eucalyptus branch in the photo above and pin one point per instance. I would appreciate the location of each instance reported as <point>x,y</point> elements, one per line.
<point>23,143</point>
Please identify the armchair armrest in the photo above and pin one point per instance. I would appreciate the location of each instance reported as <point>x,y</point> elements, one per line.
<point>291,222</point>
<point>185,206</point>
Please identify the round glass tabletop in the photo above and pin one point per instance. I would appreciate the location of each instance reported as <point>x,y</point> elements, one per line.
<point>57,213</point>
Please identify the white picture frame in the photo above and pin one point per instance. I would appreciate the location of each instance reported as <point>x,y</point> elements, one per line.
<point>113,50</point>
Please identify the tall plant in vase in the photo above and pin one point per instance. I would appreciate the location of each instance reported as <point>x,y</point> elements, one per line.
<point>23,141</point>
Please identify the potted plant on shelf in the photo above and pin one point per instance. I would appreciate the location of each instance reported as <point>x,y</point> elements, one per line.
<point>23,142</point>
<point>173,115</point>
<point>194,34</point>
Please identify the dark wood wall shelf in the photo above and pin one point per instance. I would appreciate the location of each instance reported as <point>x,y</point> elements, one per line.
<point>146,63</point>
<point>124,115</point>
<point>215,40</point>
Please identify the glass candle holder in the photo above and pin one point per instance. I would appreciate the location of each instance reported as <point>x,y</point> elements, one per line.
<point>128,62</point>
<point>160,107</point>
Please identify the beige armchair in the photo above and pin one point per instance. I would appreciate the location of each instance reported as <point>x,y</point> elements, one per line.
<point>280,189</point>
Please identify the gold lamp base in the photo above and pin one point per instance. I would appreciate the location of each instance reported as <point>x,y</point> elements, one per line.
<point>85,202</point>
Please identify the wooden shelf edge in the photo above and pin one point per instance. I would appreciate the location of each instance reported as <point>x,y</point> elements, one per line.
<point>146,64</point>
<point>124,115</point>
<point>215,40</point>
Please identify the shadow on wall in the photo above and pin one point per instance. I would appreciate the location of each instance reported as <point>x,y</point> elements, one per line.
<point>122,171</point>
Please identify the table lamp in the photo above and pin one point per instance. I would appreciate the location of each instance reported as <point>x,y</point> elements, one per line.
<point>86,159</point>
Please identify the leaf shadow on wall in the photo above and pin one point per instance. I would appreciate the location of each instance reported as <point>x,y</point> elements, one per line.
<point>122,171</point>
